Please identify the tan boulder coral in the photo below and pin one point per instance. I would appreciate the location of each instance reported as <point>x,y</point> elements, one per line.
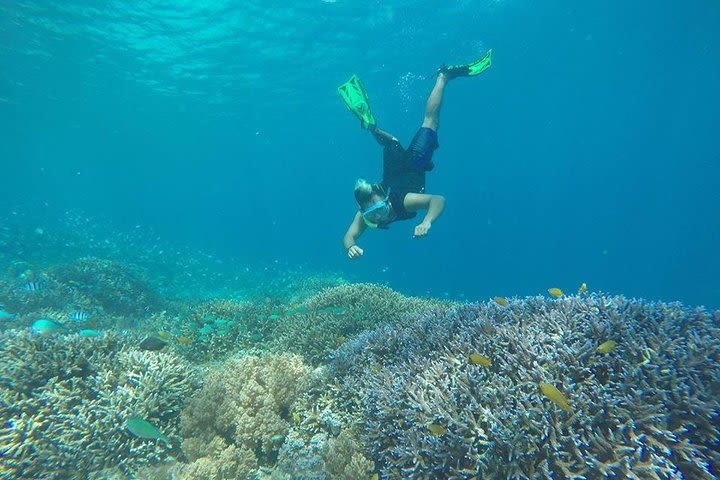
<point>245,403</point>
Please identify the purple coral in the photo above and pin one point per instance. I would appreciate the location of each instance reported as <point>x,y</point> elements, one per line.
<point>649,409</point>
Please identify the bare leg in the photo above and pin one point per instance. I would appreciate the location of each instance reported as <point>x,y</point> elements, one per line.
<point>432,107</point>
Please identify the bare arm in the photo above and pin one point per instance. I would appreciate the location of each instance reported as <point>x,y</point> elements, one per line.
<point>435,204</point>
<point>356,228</point>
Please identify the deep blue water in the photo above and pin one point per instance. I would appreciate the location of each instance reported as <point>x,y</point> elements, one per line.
<point>588,153</point>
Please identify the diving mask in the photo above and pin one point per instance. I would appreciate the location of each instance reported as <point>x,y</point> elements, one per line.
<point>377,212</point>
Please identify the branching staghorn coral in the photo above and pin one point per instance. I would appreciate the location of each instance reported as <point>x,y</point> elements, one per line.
<point>219,328</point>
<point>31,361</point>
<point>64,406</point>
<point>297,286</point>
<point>324,321</point>
<point>225,309</point>
<point>647,410</point>
<point>116,287</point>
<point>35,292</point>
<point>105,293</point>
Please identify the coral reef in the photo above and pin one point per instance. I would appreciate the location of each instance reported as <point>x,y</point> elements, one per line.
<point>221,461</point>
<point>219,328</point>
<point>33,291</point>
<point>304,285</point>
<point>301,458</point>
<point>64,401</point>
<point>321,457</point>
<point>647,410</point>
<point>245,405</point>
<point>343,459</point>
<point>224,309</point>
<point>324,321</point>
<point>434,390</point>
<point>116,287</point>
<point>106,294</point>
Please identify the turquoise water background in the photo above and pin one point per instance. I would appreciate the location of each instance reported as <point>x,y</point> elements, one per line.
<point>588,153</point>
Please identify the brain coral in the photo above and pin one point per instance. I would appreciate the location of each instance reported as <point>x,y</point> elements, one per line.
<point>646,410</point>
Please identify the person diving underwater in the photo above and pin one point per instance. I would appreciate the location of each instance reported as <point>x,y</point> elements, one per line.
<point>401,193</point>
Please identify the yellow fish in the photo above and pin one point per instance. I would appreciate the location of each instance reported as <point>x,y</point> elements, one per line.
<point>375,477</point>
<point>183,340</point>
<point>607,347</point>
<point>555,292</point>
<point>582,289</point>
<point>437,429</point>
<point>477,359</point>
<point>555,395</point>
<point>502,301</point>
<point>297,418</point>
<point>165,336</point>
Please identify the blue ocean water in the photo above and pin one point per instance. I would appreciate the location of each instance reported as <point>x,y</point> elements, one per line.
<point>588,152</point>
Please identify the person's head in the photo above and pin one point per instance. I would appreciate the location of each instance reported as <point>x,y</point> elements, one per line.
<point>373,201</point>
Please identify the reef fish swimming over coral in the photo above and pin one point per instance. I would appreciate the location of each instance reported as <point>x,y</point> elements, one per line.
<point>5,315</point>
<point>78,316</point>
<point>555,292</point>
<point>437,429</point>
<point>153,344</point>
<point>143,429</point>
<point>477,359</point>
<point>557,397</point>
<point>32,287</point>
<point>502,301</point>
<point>88,332</point>
<point>607,347</point>
<point>45,326</point>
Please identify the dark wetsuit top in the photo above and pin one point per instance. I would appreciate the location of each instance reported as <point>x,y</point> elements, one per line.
<point>404,170</point>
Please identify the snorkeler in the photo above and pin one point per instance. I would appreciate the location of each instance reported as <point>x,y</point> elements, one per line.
<point>401,193</point>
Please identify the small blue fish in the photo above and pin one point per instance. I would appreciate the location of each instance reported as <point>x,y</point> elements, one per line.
<point>32,287</point>
<point>78,316</point>
<point>45,326</point>
<point>87,332</point>
<point>5,315</point>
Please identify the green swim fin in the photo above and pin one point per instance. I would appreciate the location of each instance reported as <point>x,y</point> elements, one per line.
<point>469,70</point>
<point>356,98</point>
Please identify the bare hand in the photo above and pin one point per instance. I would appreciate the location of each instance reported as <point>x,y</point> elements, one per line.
<point>355,252</point>
<point>422,230</point>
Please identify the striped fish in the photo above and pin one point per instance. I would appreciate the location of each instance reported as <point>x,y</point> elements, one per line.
<point>78,316</point>
<point>32,287</point>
